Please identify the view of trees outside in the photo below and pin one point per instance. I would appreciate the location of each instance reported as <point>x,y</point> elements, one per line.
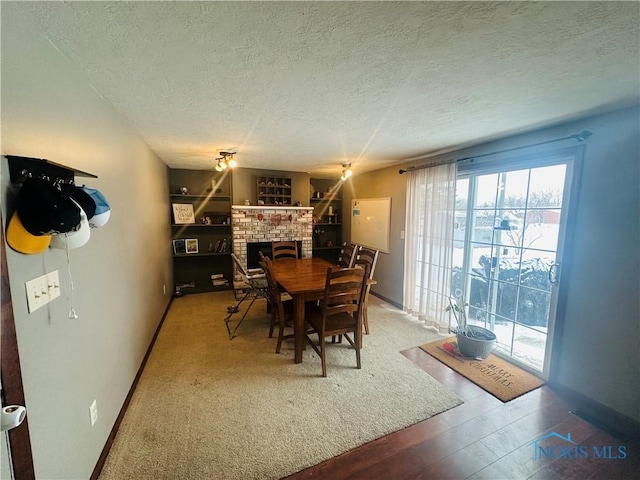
<point>514,223</point>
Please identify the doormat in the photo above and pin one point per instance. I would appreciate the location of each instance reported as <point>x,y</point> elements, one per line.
<point>493,374</point>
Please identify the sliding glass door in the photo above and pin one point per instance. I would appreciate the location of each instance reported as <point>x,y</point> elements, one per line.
<point>510,219</point>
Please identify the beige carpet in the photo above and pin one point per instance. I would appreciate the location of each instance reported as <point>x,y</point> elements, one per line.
<point>207,407</point>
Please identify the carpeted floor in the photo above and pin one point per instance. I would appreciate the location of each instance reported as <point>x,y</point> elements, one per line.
<point>209,407</point>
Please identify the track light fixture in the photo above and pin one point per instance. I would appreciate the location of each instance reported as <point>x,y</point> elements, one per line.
<point>346,171</point>
<point>225,160</point>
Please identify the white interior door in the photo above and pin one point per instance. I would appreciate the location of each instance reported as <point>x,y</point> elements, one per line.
<point>6,472</point>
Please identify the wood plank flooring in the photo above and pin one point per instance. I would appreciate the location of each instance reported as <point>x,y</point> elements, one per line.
<point>481,439</point>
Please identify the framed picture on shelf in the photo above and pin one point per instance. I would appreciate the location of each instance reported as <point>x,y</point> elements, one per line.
<point>191,245</point>
<point>183,213</point>
<point>179,247</point>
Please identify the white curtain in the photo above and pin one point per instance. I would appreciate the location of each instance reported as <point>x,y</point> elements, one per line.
<point>429,227</point>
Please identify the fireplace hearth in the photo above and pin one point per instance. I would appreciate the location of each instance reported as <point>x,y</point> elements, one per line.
<point>262,225</point>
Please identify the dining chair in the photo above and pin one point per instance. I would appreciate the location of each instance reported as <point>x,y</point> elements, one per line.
<point>255,283</point>
<point>284,249</point>
<point>277,299</point>
<point>339,313</point>
<point>347,255</point>
<point>366,257</point>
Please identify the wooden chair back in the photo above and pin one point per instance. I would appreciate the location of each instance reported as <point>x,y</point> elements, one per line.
<point>347,255</point>
<point>275,299</point>
<point>284,249</point>
<point>366,256</point>
<point>344,292</point>
<point>273,291</point>
<point>340,312</point>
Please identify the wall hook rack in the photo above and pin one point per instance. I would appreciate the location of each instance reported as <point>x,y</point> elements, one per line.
<point>21,168</point>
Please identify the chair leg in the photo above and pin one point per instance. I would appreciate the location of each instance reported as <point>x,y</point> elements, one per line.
<point>273,322</point>
<point>323,356</point>
<point>232,311</point>
<point>281,326</point>
<point>365,316</point>
<point>357,340</point>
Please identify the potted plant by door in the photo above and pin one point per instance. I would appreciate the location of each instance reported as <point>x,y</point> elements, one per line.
<point>473,341</point>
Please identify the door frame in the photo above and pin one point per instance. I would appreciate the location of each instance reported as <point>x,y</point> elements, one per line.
<point>12,387</point>
<point>567,262</point>
<point>545,157</point>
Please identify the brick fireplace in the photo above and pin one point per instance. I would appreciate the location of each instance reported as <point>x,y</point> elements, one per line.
<point>259,224</point>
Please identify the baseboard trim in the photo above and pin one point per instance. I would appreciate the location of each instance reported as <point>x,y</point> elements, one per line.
<point>388,300</point>
<point>622,427</point>
<point>107,446</point>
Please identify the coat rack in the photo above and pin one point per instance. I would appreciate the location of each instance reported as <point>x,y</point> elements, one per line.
<point>21,168</point>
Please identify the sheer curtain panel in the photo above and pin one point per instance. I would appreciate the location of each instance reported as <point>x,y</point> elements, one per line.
<point>430,219</point>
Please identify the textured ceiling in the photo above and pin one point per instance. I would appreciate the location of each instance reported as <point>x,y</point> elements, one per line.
<point>306,86</point>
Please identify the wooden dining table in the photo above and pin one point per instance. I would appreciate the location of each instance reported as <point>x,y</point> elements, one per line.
<point>304,279</point>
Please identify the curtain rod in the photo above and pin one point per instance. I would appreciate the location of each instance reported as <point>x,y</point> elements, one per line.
<point>580,137</point>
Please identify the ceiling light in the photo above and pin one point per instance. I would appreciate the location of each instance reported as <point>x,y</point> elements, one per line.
<point>225,160</point>
<point>346,171</point>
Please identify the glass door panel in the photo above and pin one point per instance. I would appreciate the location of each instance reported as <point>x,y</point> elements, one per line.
<point>483,223</point>
<point>486,190</point>
<point>507,238</point>
<point>529,346</point>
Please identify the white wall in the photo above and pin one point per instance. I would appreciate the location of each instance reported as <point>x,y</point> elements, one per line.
<point>50,111</point>
<point>600,351</point>
<point>599,356</point>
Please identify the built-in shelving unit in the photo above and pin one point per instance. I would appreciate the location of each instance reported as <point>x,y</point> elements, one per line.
<point>274,190</point>
<point>201,230</point>
<point>327,214</point>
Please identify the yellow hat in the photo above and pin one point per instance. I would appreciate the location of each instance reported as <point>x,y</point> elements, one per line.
<point>22,241</point>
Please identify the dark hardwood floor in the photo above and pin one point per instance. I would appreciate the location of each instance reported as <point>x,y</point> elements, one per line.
<point>481,439</point>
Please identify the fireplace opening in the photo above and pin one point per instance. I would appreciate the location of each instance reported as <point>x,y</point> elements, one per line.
<point>253,257</point>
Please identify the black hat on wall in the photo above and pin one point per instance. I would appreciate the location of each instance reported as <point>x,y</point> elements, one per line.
<point>43,209</point>
<point>82,198</point>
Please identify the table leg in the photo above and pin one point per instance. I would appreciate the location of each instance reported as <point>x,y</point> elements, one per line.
<point>298,328</point>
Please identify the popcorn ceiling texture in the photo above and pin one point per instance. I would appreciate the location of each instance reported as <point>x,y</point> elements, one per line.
<point>304,86</point>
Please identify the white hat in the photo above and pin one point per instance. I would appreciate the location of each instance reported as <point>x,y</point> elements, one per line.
<point>76,238</point>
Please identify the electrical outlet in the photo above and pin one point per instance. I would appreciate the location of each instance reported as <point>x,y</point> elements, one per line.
<point>53,284</point>
<point>93,411</point>
<point>37,293</point>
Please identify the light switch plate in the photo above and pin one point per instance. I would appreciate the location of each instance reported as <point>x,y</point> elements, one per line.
<point>93,412</point>
<point>42,290</point>
<point>37,293</point>
<point>53,284</point>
